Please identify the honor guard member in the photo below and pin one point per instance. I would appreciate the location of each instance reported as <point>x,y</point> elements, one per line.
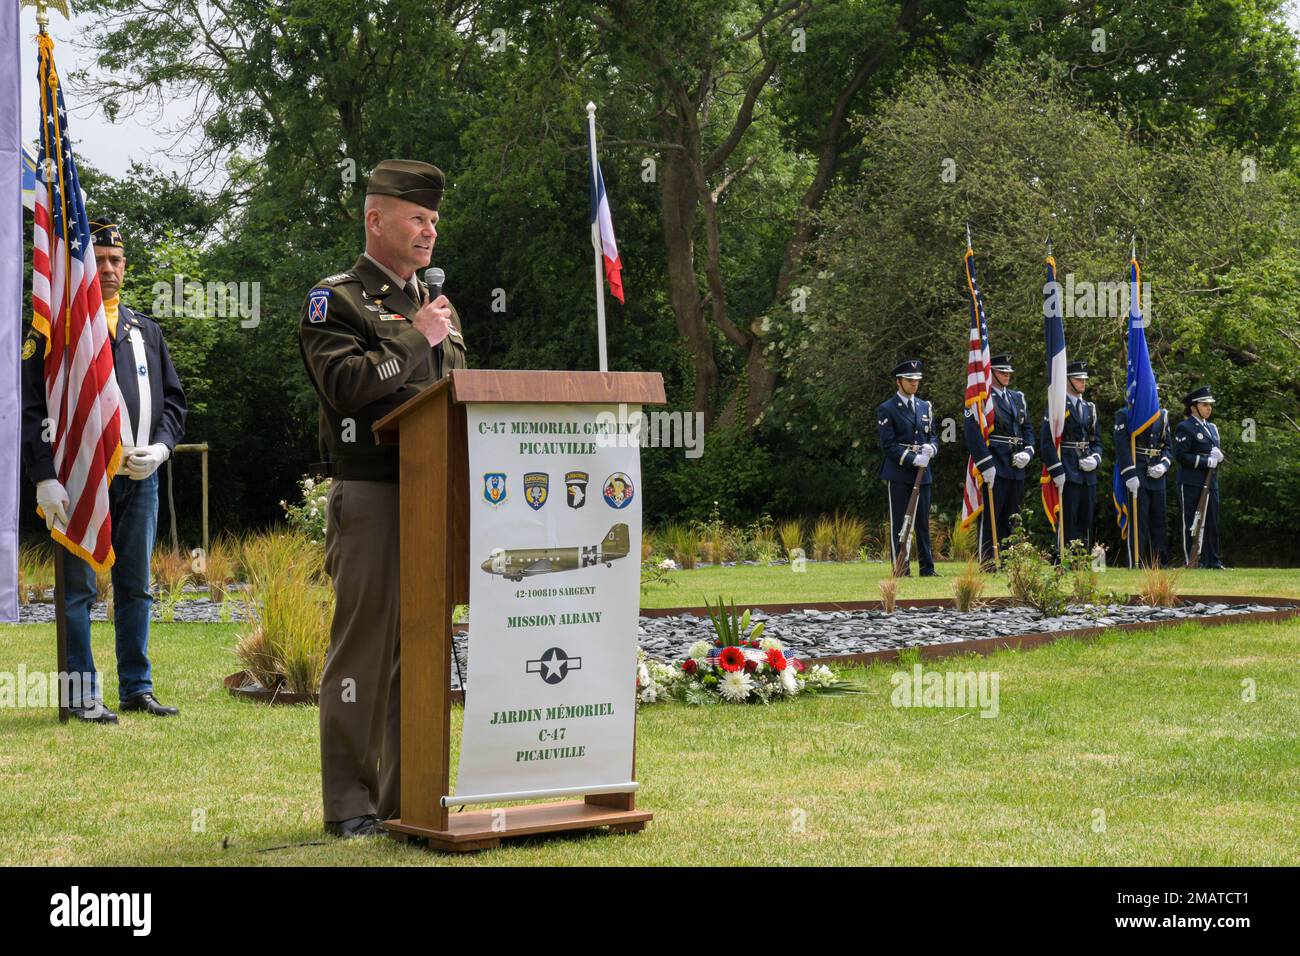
<point>908,440</point>
<point>152,411</point>
<point>1002,459</point>
<point>1144,477</point>
<point>1197,444</point>
<point>372,338</point>
<point>1079,459</point>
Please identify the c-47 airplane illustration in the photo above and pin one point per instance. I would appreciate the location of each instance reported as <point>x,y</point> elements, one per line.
<point>516,564</point>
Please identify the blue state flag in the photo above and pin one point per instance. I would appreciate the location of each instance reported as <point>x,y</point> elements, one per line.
<point>1140,398</point>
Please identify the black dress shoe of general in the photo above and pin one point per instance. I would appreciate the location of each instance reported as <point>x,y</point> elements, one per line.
<point>148,702</point>
<point>355,827</point>
<point>94,713</point>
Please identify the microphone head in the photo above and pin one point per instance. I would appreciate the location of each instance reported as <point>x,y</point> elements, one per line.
<point>434,278</point>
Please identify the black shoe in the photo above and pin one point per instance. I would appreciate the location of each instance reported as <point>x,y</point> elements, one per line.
<point>94,713</point>
<point>932,573</point>
<point>149,702</point>
<point>362,826</point>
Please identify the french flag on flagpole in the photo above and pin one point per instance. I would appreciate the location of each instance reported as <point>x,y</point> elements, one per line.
<point>601,221</point>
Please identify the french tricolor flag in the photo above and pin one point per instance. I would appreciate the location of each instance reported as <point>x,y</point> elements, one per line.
<point>602,224</point>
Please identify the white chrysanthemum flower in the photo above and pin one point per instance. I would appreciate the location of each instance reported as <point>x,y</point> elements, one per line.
<point>789,683</point>
<point>771,643</point>
<point>736,686</point>
<point>699,650</point>
<point>308,484</point>
<point>820,676</point>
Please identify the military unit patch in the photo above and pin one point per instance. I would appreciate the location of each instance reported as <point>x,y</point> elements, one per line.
<point>29,346</point>
<point>536,488</point>
<point>494,488</point>
<point>318,304</point>
<point>618,490</point>
<point>575,486</point>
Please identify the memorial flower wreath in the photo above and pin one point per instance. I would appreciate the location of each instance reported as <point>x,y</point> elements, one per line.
<point>739,667</point>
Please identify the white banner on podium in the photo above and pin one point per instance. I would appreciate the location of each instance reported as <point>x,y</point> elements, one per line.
<point>555,566</point>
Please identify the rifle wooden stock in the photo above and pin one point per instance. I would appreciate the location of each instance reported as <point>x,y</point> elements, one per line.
<point>903,553</point>
<point>1198,523</point>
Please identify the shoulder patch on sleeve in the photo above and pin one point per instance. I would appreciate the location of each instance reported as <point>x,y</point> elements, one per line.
<point>30,343</point>
<point>318,304</point>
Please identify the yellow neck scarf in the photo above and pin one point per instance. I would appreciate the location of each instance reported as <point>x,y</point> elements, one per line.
<point>110,313</point>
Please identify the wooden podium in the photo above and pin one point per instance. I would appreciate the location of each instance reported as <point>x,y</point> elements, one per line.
<point>434,492</point>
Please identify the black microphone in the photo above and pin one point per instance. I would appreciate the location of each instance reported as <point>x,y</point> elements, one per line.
<point>434,278</point>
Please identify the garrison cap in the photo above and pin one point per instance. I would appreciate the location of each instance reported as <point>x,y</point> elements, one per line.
<point>1001,363</point>
<point>911,368</point>
<point>1201,394</point>
<point>105,233</point>
<point>407,179</point>
<point>1076,370</point>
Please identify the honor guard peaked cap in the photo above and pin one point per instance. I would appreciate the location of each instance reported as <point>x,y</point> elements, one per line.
<point>1201,394</point>
<point>407,179</point>
<point>1076,370</point>
<point>1001,363</point>
<point>105,233</point>
<point>908,369</point>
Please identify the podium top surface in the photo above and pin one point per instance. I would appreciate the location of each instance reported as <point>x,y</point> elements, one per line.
<point>483,385</point>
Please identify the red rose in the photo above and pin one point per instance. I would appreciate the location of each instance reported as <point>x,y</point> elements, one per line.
<point>798,665</point>
<point>750,666</point>
<point>731,659</point>
<point>689,665</point>
<point>776,659</point>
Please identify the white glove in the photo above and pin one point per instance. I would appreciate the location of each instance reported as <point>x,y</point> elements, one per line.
<point>1216,454</point>
<point>1089,463</point>
<point>989,476</point>
<point>934,450</point>
<point>1212,462</point>
<point>1020,459</point>
<point>54,502</point>
<point>143,462</point>
<point>1157,470</point>
<point>1059,481</point>
<point>922,459</point>
<point>1132,485</point>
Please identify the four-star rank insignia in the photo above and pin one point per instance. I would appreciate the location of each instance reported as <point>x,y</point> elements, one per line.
<point>494,487</point>
<point>536,488</point>
<point>575,486</point>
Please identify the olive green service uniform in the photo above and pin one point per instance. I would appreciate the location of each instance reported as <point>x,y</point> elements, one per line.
<point>365,358</point>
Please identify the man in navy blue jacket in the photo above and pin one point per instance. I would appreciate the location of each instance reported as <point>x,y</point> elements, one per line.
<point>1198,446</point>
<point>1079,459</point>
<point>1002,459</point>
<point>907,437</point>
<point>1144,479</point>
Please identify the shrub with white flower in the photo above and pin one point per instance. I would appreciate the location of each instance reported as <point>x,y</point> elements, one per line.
<point>668,564</point>
<point>308,516</point>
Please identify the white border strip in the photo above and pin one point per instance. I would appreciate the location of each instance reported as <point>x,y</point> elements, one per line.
<point>465,800</point>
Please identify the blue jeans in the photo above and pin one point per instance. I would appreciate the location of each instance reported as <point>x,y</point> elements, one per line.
<point>133,507</point>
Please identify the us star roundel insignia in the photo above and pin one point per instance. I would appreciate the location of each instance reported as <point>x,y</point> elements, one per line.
<point>575,487</point>
<point>554,665</point>
<point>536,488</point>
<point>318,304</point>
<point>494,487</point>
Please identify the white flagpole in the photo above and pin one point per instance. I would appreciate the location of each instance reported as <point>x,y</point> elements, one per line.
<point>595,241</point>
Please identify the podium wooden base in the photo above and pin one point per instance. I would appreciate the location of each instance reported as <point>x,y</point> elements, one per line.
<point>471,831</point>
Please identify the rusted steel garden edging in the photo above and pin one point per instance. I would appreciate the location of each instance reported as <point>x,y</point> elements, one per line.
<point>988,645</point>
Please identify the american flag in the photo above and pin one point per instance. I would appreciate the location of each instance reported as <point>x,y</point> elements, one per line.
<point>81,395</point>
<point>979,391</point>
<point>1054,333</point>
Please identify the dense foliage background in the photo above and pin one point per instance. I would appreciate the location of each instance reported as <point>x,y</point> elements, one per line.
<point>790,184</point>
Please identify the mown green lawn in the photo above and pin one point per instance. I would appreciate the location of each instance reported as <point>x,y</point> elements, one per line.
<point>856,581</point>
<point>1146,732</point>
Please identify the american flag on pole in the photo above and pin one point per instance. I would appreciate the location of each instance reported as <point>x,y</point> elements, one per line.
<point>81,395</point>
<point>603,223</point>
<point>1054,333</point>
<point>979,391</point>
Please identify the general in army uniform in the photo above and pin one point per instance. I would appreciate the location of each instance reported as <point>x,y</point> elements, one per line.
<point>371,340</point>
<point>1002,459</point>
<point>1197,444</point>
<point>153,411</point>
<point>1079,458</point>
<point>1144,478</point>
<point>907,438</point>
